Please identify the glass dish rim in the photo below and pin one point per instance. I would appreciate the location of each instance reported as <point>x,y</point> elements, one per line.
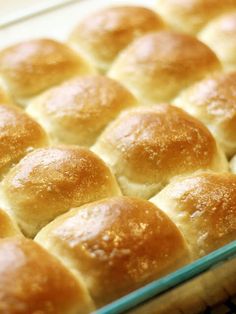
<point>170,281</point>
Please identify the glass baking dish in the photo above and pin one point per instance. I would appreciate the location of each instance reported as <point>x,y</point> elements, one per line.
<point>194,288</point>
<point>191,289</point>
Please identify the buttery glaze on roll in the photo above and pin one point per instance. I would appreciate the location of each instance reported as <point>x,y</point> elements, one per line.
<point>77,111</point>
<point>203,206</point>
<point>8,227</point>
<point>157,66</point>
<point>117,245</point>
<point>220,36</point>
<point>19,134</point>
<point>146,147</point>
<point>34,281</point>
<point>213,102</point>
<point>29,67</point>
<point>103,34</point>
<point>189,16</point>
<point>50,181</point>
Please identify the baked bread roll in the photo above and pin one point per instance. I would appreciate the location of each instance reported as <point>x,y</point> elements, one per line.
<point>103,34</point>
<point>49,181</point>
<point>29,67</point>
<point>157,66</point>
<point>146,147</point>
<point>190,16</point>
<point>19,134</point>
<point>33,281</point>
<point>213,102</point>
<point>77,111</point>
<point>8,227</point>
<point>117,245</point>
<point>203,206</point>
<point>220,35</point>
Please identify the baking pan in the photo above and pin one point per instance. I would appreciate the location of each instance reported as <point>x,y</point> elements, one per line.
<point>198,287</point>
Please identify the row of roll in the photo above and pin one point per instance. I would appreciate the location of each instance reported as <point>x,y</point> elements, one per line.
<point>117,153</point>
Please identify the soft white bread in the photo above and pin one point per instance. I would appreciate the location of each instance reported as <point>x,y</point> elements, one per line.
<point>49,181</point>
<point>213,102</point>
<point>220,36</point>
<point>146,147</point>
<point>157,66</point>
<point>33,281</point>
<point>19,134</point>
<point>29,67</point>
<point>77,111</point>
<point>189,16</point>
<point>203,206</point>
<point>8,227</point>
<point>233,164</point>
<point>103,34</point>
<point>116,245</point>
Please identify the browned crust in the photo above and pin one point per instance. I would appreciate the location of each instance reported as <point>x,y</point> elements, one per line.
<point>157,66</point>
<point>32,66</point>
<point>34,281</point>
<point>103,34</point>
<point>121,240</point>
<point>191,15</point>
<point>50,181</point>
<point>204,208</point>
<point>19,134</point>
<point>77,111</point>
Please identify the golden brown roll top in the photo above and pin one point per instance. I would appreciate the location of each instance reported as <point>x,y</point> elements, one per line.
<point>146,147</point>
<point>203,206</point>
<point>102,35</point>
<point>33,281</point>
<point>8,227</point>
<point>30,67</point>
<point>49,181</point>
<point>220,35</point>
<point>190,16</point>
<point>19,134</point>
<point>213,102</point>
<point>157,66</point>
<point>78,110</point>
<point>117,245</point>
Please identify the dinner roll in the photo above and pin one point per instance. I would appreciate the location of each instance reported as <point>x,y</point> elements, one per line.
<point>33,281</point>
<point>190,16</point>
<point>157,66</point>
<point>8,227</point>
<point>103,34</point>
<point>203,206</point>
<point>213,102</point>
<point>78,110</point>
<point>146,147</point>
<point>49,181</point>
<point>220,35</point>
<point>19,134</point>
<point>117,245</point>
<point>30,67</point>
